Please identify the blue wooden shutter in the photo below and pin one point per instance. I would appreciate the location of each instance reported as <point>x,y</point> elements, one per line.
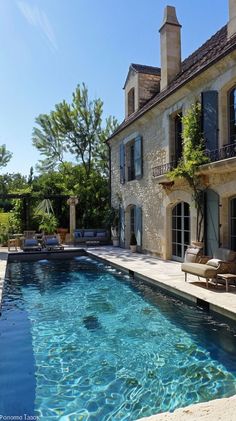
<point>138,158</point>
<point>211,221</point>
<point>210,119</point>
<point>122,226</point>
<point>138,225</point>
<point>122,163</point>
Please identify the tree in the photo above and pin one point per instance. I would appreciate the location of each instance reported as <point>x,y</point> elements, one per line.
<point>76,129</point>
<point>5,156</point>
<point>193,156</point>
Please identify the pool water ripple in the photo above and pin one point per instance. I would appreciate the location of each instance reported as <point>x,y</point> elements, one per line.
<point>106,347</point>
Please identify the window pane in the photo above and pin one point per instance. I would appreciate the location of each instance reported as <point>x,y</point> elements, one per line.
<point>186,224</point>
<point>179,223</point>
<point>179,237</point>
<point>186,209</point>
<point>179,209</point>
<point>179,250</point>
<point>186,237</point>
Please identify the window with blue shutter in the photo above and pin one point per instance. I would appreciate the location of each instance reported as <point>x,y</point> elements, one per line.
<point>232,116</point>
<point>122,163</point>
<point>138,158</point>
<point>210,119</point>
<point>122,226</point>
<point>138,225</point>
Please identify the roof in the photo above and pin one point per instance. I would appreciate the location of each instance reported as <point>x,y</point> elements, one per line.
<point>141,68</point>
<point>150,70</point>
<point>210,52</point>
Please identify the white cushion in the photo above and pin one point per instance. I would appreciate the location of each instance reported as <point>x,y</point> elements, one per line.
<point>214,262</point>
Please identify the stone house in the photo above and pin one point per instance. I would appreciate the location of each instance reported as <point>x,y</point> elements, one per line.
<point>148,143</point>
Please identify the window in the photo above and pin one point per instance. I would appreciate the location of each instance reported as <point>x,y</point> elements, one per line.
<point>232,116</point>
<point>175,141</point>
<point>131,101</point>
<point>131,165</point>
<point>180,230</point>
<point>178,136</point>
<point>233,224</point>
<point>136,223</point>
<point>132,219</point>
<point>130,161</point>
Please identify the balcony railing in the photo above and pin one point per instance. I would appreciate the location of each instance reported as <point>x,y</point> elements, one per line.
<point>228,151</point>
<point>163,169</point>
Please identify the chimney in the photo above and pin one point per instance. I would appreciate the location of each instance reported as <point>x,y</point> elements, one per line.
<point>170,47</point>
<point>231,27</point>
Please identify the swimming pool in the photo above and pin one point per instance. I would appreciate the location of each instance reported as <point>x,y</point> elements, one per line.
<point>81,341</point>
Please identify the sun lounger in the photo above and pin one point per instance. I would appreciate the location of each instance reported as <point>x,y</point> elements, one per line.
<point>51,242</point>
<point>223,261</point>
<point>31,244</point>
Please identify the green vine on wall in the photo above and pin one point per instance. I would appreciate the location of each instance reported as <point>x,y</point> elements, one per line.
<point>193,156</point>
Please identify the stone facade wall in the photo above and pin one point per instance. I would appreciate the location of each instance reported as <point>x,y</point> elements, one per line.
<point>155,129</point>
<point>149,85</point>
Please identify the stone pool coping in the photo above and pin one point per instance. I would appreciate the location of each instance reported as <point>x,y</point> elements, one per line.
<point>168,276</point>
<point>216,410</point>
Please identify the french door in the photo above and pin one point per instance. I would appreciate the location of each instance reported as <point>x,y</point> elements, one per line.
<point>180,230</point>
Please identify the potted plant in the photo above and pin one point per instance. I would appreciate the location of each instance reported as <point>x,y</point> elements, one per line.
<point>48,224</point>
<point>133,242</point>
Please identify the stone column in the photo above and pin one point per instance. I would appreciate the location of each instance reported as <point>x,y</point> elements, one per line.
<point>72,202</point>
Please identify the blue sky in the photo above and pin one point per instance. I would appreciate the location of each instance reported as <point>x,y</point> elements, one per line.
<point>47,47</point>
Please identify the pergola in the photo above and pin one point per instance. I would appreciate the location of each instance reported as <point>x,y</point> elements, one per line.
<point>28,197</point>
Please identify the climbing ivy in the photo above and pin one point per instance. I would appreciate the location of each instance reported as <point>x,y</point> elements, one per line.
<point>193,156</point>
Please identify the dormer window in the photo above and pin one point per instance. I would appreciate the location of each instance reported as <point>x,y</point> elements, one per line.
<point>131,99</point>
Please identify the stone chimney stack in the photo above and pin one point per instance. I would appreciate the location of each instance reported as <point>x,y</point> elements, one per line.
<point>232,18</point>
<point>170,46</point>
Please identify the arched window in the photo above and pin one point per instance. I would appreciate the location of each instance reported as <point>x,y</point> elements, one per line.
<point>232,116</point>
<point>131,99</point>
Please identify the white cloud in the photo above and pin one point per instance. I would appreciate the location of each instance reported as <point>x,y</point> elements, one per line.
<point>39,19</point>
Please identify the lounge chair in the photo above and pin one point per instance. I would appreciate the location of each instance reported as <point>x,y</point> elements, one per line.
<point>31,244</point>
<point>223,261</point>
<point>51,242</point>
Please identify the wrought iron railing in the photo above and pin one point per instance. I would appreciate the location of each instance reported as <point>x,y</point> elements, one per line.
<point>163,169</point>
<point>227,151</point>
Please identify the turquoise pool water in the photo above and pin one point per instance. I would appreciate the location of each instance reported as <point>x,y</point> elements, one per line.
<point>80,341</point>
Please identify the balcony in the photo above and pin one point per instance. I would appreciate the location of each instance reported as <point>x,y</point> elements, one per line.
<point>163,169</point>
<point>228,151</point>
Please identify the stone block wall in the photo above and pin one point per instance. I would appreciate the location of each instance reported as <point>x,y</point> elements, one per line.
<point>155,128</point>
